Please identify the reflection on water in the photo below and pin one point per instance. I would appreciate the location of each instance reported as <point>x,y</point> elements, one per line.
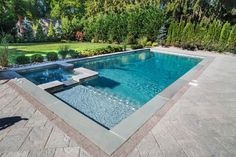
<point>48,75</point>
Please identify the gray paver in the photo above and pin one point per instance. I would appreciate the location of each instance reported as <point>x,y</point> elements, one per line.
<point>37,138</point>
<point>42,153</point>
<point>36,120</point>
<point>135,153</point>
<point>229,143</point>
<point>150,149</point>
<point>83,153</point>
<point>58,139</point>
<point>67,152</point>
<point>14,139</point>
<point>16,154</point>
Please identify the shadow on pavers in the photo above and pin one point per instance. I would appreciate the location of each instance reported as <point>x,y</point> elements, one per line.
<point>9,121</point>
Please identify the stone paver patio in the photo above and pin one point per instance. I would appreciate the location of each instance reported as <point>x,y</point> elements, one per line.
<point>202,123</point>
<point>33,136</point>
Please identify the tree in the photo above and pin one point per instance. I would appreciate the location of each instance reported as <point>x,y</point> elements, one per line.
<point>117,27</point>
<point>66,27</point>
<point>58,32</point>
<point>51,32</point>
<point>26,34</point>
<point>40,34</point>
<point>56,11</point>
<point>170,32</point>
<point>187,35</point>
<point>67,8</point>
<point>4,53</point>
<point>231,43</point>
<point>200,33</point>
<point>152,18</point>
<point>162,35</point>
<point>180,31</point>
<point>75,24</point>
<point>209,37</point>
<point>224,36</point>
<point>175,33</point>
<point>197,10</point>
<point>218,28</point>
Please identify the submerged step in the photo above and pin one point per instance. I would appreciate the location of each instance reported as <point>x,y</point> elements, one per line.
<point>84,74</point>
<point>70,82</point>
<point>52,86</point>
<point>106,109</point>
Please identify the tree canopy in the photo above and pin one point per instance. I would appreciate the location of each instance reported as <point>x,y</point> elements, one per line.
<point>209,23</point>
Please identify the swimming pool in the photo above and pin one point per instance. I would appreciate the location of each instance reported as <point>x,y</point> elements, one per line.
<point>126,82</point>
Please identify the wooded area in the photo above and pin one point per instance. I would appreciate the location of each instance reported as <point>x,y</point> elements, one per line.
<point>192,24</point>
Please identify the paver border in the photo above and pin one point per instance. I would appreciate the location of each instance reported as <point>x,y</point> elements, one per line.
<point>124,142</point>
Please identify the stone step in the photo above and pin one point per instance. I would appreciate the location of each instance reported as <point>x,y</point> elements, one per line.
<point>84,74</point>
<point>105,109</point>
<point>66,65</point>
<point>52,86</point>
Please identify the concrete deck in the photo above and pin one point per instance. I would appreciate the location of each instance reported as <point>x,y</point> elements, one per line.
<point>200,123</point>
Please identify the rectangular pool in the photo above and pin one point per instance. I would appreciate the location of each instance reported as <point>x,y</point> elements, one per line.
<point>125,83</point>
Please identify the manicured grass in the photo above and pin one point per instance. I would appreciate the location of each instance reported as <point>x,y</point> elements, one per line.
<point>43,48</point>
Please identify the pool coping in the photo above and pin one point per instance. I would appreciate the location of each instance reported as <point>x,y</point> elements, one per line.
<point>123,132</point>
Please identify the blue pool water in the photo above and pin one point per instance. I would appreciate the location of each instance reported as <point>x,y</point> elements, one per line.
<point>48,75</point>
<point>125,83</point>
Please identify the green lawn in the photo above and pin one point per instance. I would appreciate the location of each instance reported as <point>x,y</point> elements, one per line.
<point>43,48</point>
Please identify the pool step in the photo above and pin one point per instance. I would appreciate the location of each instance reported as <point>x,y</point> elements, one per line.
<point>84,74</point>
<point>114,97</point>
<point>66,65</point>
<point>103,108</point>
<point>52,86</point>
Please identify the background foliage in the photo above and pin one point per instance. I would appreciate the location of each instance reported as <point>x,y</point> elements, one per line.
<point>192,24</point>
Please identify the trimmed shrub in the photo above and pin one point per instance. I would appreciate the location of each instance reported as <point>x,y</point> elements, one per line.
<point>51,32</point>
<point>79,36</point>
<point>8,37</point>
<point>162,35</point>
<point>169,34</point>
<point>99,51</point>
<point>224,35</point>
<point>187,34</point>
<point>74,54</point>
<point>142,41</point>
<point>231,43</point>
<point>63,51</point>
<point>40,34</point>
<point>118,48</point>
<point>37,58</point>
<point>4,53</point>
<point>154,44</point>
<point>102,51</point>
<point>52,56</point>
<point>190,47</point>
<point>93,41</point>
<point>88,53</point>
<point>110,49</point>
<point>149,44</point>
<point>22,60</point>
<point>137,46</point>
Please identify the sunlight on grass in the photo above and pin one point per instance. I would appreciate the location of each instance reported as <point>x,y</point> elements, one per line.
<point>29,49</point>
